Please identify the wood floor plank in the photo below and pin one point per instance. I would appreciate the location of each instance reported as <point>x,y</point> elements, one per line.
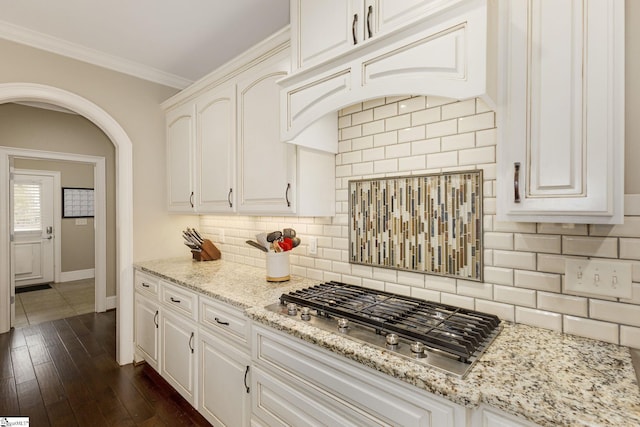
<point>51,388</point>
<point>112,409</point>
<point>22,366</point>
<point>88,414</point>
<point>6,367</point>
<point>49,334</point>
<point>17,338</point>
<point>30,403</point>
<point>8,397</point>
<point>39,354</point>
<point>61,415</point>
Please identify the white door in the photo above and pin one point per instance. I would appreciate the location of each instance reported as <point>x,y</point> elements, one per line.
<point>32,228</point>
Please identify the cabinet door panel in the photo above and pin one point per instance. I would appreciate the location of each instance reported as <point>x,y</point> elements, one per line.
<point>180,143</point>
<point>266,166</point>
<point>224,399</point>
<point>391,14</point>
<point>323,29</point>
<point>215,155</point>
<point>146,324</point>
<point>179,340</point>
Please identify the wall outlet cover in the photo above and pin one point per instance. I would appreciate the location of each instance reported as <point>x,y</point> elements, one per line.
<point>607,278</point>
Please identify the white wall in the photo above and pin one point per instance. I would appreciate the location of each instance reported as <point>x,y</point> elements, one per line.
<point>135,105</point>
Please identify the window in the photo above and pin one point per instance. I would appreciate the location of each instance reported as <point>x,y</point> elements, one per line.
<point>26,206</point>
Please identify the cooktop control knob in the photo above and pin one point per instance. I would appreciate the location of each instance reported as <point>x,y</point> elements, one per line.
<point>343,324</point>
<point>417,348</point>
<point>305,313</point>
<point>392,341</point>
<point>292,309</point>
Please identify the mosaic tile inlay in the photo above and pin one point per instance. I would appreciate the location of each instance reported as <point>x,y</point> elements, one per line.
<point>425,223</point>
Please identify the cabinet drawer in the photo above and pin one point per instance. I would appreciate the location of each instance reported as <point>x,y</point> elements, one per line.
<point>181,300</point>
<point>220,317</point>
<point>375,394</point>
<point>146,284</point>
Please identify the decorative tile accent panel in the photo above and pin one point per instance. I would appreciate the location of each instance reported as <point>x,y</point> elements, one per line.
<point>425,223</point>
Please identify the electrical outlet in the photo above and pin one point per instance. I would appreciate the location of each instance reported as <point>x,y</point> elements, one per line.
<point>597,277</point>
<point>313,246</point>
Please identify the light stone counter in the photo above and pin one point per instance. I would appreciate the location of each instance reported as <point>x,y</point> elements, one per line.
<point>549,378</point>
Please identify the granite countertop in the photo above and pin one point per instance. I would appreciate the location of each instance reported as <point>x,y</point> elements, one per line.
<point>544,376</point>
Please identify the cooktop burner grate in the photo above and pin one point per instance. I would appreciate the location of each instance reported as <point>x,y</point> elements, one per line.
<point>457,331</point>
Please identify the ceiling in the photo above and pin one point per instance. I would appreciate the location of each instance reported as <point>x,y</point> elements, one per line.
<point>172,42</point>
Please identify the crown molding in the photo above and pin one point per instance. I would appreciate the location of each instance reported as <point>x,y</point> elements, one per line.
<point>72,50</point>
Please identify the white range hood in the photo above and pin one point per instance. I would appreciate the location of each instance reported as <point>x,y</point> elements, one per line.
<point>449,53</point>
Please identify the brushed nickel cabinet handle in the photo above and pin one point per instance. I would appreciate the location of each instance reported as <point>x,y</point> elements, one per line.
<point>354,25</point>
<point>155,318</point>
<point>516,182</point>
<point>229,197</point>
<point>190,342</point>
<point>191,199</point>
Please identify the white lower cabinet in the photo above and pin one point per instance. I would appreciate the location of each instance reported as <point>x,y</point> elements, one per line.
<point>147,325</point>
<point>295,383</point>
<point>178,356</point>
<point>224,392</point>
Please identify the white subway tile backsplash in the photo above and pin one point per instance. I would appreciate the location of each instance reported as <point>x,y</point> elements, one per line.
<point>482,106</point>
<point>443,284</point>
<point>566,229</point>
<point>398,289</point>
<point>425,294</point>
<point>397,122</point>
<point>514,227</point>
<point>362,271</point>
<point>475,289</point>
<point>477,156</point>
<point>398,150</point>
<point>390,99</point>
<point>373,154</point>
<point>351,132</point>
<point>459,109</point>
<point>499,276</point>
<point>630,228</point>
<point>414,133</point>
<point>351,157</point>
<point>341,267</point>
<point>478,122</point>
<point>359,169</point>
<point>516,296</point>
<point>426,146</point>
<point>412,163</point>
<point>458,301</point>
<point>411,279</point>
<point>384,111</point>
<point>386,138</point>
<point>627,314</point>
<point>344,170</point>
<point>442,160</point>
<point>591,329</point>
<point>630,337</point>
<point>385,166</point>
<point>606,247</point>
<point>412,104</point>
<point>503,311</point>
<point>438,129</point>
<point>436,101</point>
<point>385,274</point>
<point>486,137</point>
<point>494,240</point>
<point>551,263</point>
<point>564,304</point>
<point>315,274</point>
<point>425,116</point>
<point>512,259</point>
<point>540,281</point>
<point>350,109</point>
<point>361,117</point>
<point>458,142</point>
<point>537,243</point>
<point>344,121</point>
<point>373,284</point>
<point>351,280</point>
<point>362,143</point>
<point>539,318</point>
<point>630,249</point>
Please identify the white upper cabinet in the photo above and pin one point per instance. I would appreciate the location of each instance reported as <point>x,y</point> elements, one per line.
<point>426,47</point>
<point>215,153</point>
<point>561,111</point>
<point>266,165</point>
<point>180,148</point>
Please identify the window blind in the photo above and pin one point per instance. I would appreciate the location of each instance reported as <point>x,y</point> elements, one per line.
<point>27,207</point>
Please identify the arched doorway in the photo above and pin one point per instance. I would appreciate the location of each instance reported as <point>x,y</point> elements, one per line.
<point>15,92</point>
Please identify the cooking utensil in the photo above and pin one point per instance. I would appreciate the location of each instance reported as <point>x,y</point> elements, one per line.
<point>296,241</point>
<point>262,239</point>
<point>289,232</point>
<point>273,236</point>
<point>256,245</point>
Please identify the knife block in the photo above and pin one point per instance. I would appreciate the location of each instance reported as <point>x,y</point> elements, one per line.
<point>209,252</point>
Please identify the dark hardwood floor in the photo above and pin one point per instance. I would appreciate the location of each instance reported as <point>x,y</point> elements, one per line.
<point>64,373</point>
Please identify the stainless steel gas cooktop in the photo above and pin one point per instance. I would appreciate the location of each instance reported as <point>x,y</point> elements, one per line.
<point>441,336</point>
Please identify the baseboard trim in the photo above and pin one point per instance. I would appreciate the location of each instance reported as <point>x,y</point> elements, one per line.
<point>112,302</point>
<point>70,276</point>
